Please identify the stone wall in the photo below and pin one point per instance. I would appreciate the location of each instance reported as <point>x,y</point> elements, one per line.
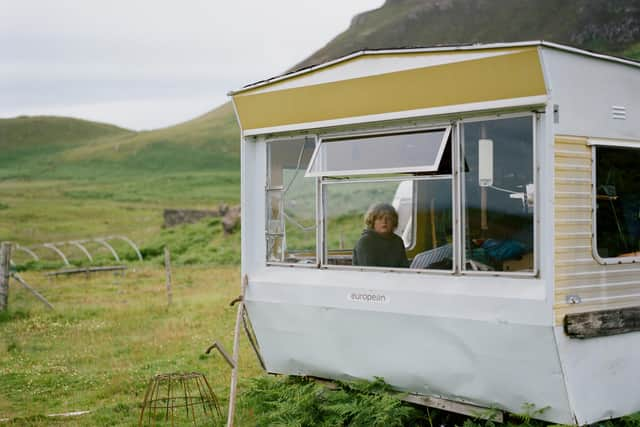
<point>173,217</point>
<point>230,216</point>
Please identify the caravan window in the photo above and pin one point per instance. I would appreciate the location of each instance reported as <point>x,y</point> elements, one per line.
<point>422,198</point>
<point>375,154</point>
<point>498,196</point>
<point>617,184</point>
<point>465,200</point>
<point>290,205</point>
<point>345,205</point>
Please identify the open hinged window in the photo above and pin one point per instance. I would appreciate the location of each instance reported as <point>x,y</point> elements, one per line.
<point>290,202</point>
<point>399,152</point>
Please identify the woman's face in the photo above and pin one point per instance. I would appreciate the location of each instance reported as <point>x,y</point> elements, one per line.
<point>383,224</point>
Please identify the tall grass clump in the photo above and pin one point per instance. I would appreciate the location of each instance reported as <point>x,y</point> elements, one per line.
<point>200,243</point>
<point>296,401</point>
<point>632,420</point>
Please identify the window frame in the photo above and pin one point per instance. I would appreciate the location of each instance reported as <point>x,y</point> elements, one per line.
<point>594,143</point>
<point>322,180</point>
<point>536,207</point>
<point>336,138</point>
<point>454,134</point>
<point>332,181</point>
<point>268,189</point>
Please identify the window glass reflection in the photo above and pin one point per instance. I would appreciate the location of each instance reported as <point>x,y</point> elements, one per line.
<point>291,214</point>
<point>420,213</point>
<point>401,152</point>
<point>498,195</point>
<point>617,202</point>
<point>345,207</point>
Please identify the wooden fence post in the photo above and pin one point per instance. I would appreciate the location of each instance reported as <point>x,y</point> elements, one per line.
<point>236,353</point>
<point>5,265</point>
<point>167,268</point>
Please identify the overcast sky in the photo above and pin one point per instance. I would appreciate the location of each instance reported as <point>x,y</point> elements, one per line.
<point>144,64</point>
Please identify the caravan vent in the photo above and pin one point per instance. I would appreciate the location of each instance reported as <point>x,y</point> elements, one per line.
<point>618,112</point>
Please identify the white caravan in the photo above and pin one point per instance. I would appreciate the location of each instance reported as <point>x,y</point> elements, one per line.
<point>516,170</point>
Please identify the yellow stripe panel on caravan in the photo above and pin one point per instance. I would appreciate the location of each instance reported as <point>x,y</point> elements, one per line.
<point>512,75</point>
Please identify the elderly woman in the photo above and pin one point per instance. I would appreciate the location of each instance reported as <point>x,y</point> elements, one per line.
<point>379,246</point>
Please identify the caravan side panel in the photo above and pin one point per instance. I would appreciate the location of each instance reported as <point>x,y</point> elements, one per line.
<point>442,336</point>
<point>602,374</point>
<point>586,90</point>
<point>577,273</point>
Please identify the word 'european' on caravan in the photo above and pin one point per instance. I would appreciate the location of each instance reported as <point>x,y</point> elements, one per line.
<point>514,171</point>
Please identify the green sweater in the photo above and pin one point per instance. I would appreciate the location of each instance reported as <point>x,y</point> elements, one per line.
<point>376,250</point>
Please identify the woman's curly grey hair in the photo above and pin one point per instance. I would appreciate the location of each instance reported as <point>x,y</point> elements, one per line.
<point>378,210</point>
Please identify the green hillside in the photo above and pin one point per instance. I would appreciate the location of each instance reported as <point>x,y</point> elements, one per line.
<point>30,132</point>
<point>63,178</point>
<point>65,148</point>
<point>214,134</point>
<point>608,26</point>
<point>28,141</point>
<point>633,52</point>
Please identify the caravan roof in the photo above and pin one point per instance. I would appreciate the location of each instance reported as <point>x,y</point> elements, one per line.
<point>439,48</point>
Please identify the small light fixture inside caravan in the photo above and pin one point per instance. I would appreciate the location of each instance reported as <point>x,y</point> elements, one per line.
<point>485,162</point>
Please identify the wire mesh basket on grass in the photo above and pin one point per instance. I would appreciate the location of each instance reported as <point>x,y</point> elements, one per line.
<point>179,399</point>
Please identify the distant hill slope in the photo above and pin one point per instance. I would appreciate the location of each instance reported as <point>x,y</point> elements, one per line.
<point>208,141</point>
<point>44,131</point>
<point>25,141</point>
<point>609,26</point>
<point>60,147</point>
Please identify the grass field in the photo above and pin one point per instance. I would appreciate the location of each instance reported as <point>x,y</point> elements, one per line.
<point>108,335</point>
<point>45,210</point>
<point>63,179</point>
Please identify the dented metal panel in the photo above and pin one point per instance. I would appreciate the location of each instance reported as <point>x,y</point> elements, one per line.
<point>602,375</point>
<point>431,340</point>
